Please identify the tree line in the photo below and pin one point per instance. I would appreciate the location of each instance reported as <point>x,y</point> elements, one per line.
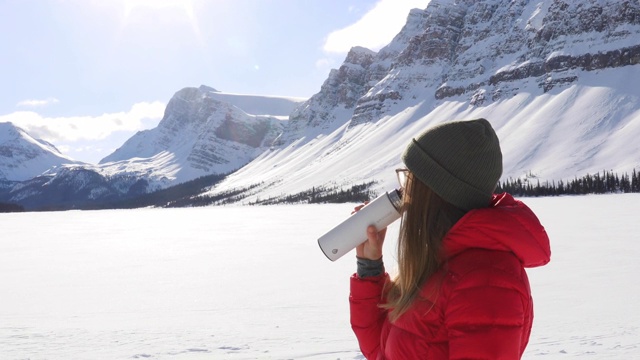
<point>598,183</point>
<point>5,208</point>
<point>324,195</point>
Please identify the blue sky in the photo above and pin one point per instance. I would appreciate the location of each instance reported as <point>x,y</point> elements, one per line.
<point>86,74</point>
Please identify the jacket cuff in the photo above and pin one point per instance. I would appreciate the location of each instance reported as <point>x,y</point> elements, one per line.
<point>367,288</point>
<point>369,268</point>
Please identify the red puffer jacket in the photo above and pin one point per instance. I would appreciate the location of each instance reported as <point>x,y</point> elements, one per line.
<point>478,306</point>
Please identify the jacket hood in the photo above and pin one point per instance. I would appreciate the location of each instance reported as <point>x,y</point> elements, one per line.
<point>506,225</point>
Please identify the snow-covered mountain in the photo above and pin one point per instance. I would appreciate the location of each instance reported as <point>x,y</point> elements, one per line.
<point>557,79</point>
<point>203,132</point>
<point>22,157</point>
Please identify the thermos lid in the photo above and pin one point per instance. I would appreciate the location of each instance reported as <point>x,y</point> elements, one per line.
<point>395,196</point>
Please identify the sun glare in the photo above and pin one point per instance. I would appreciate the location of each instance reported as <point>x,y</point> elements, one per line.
<point>133,5</point>
<point>177,10</point>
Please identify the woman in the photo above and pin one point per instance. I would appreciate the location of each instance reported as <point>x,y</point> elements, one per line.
<point>461,291</point>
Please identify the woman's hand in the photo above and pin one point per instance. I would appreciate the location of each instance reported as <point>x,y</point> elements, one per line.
<point>372,248</point>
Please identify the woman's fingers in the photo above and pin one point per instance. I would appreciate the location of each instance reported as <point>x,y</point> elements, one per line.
<point>375,237</point>
<point>372,248</point>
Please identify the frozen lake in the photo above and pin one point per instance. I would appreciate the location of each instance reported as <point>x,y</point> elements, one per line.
<point>251,283</point>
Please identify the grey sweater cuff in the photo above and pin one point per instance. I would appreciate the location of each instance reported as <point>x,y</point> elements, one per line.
<point>369,268</point>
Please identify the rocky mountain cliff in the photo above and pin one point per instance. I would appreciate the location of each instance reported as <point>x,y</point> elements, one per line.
<point>478,50</point>
<point>199,135</point>
<point>554,77</point>
<point>333,105</point>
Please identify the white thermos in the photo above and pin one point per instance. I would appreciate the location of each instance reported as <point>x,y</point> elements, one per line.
<point>352,232</point>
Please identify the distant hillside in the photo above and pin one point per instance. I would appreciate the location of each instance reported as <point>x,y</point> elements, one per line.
<point>23,157</point>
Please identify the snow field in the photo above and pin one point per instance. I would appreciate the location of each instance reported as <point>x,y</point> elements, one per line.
<point>252,283</point>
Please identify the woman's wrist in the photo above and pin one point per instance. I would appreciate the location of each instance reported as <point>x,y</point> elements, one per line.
<point>368,267</point>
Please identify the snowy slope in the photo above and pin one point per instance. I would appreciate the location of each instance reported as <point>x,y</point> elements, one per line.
<point>256,104</point>
<point>22,157</point>
<point>558,82</point>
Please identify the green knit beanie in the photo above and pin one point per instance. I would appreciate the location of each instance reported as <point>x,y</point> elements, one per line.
<point>460,161</point>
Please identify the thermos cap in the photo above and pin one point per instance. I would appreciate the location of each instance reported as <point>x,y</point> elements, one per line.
<point>395,197</point>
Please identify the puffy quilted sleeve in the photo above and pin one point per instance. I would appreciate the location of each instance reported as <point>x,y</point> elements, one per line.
<point>488,316</point>
<point>367,318</point>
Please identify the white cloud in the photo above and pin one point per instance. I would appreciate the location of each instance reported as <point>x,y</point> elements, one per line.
<point>376,28</point>
<point>36,103</point>
<point>88,138</point>
<point>77,128</point>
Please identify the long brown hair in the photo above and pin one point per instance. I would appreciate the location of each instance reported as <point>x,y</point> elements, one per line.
<point>426,220</point>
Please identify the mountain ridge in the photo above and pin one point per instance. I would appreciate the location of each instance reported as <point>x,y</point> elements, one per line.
<point>553,77</point>
<point>23,157</point>
<point>199,135</point>
<point>540,70</point>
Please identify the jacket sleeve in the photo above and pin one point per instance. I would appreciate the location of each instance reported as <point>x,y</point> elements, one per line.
<point>485,316</point>
<point>367,318</point>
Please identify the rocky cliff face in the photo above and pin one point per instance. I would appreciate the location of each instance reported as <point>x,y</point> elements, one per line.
<point>479,48</point>
<point>545,42</point>
<point>203,133</point>
<point>333,105</point>
<point>346,92</point>
<point>199,135</point>
<point>475,50</point>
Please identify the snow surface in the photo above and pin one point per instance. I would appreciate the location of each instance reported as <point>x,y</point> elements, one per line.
<point>251,283</point>
<point>260,104</point>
